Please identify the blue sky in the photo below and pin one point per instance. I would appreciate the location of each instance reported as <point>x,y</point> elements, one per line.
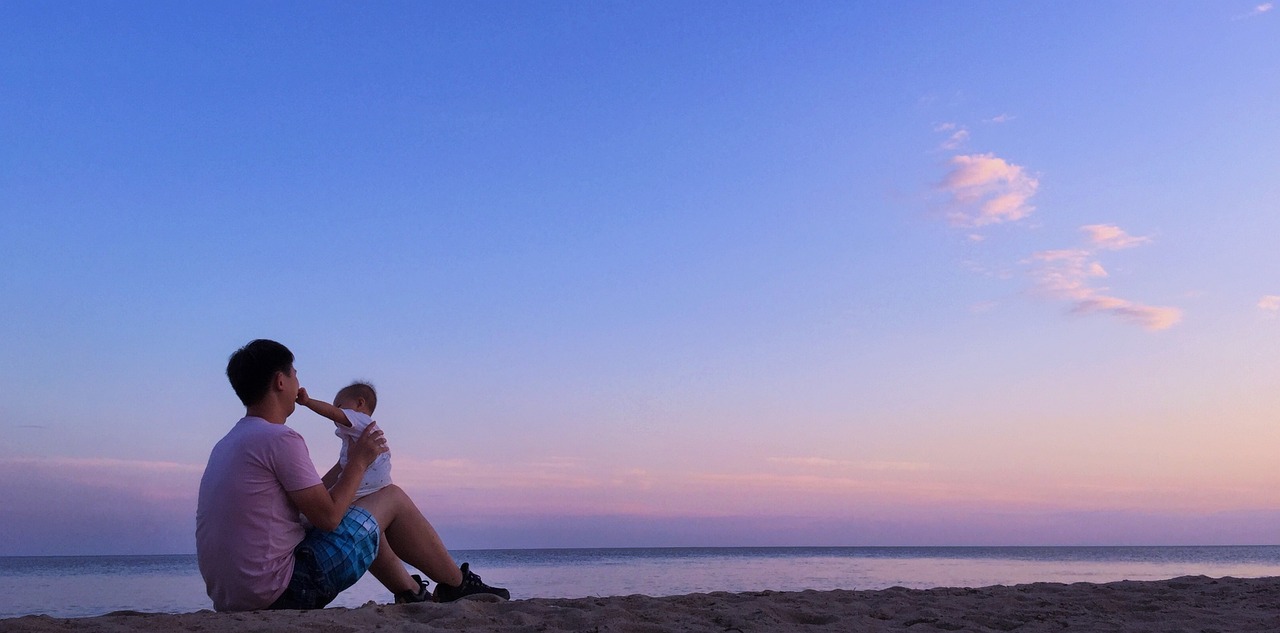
<point>654,274</point>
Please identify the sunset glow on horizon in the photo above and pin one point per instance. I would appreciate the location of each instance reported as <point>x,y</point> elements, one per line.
<point>655,274</point>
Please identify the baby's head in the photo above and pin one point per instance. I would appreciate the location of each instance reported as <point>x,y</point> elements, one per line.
<point>357,396</point>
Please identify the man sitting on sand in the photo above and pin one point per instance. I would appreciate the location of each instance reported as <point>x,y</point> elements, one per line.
<point>254,550</point>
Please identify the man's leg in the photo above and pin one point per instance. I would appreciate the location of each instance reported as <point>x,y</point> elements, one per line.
<point>411,538</point>
<point>327,563</point>
<point>390,571</point>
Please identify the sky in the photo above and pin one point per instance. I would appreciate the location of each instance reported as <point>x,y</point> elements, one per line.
<point>654,274</point>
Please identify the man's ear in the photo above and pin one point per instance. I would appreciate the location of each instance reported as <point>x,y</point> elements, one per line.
<point>279,381</point>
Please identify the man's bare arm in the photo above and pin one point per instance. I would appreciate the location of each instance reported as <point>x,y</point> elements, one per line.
<point>325,508</point>
<point>323,408</point>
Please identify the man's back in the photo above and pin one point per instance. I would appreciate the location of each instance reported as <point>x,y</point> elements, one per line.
<point>246,527</point>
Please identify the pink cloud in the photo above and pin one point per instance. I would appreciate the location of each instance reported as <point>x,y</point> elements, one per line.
<point>66,506</point>
<point>1270,303</point>
<point>824,462</point>
<point>148,479</point>
<point>1068,275</point>
<point>1111,237</point>
<point>54,505</point>
<point>985,189</point>
<point>1149,317</point>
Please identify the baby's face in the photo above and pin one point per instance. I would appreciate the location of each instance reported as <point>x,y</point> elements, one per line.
<point>355,404</point>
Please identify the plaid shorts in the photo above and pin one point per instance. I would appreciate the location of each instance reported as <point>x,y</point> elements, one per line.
<point>326,563</point>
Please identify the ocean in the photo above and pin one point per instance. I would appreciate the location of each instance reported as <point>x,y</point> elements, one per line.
<point>86,586</point>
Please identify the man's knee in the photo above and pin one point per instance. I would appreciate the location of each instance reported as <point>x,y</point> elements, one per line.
<point>385,500</point>
<point>390,492</point>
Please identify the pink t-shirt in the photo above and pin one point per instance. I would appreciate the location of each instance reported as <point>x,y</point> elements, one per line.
<point>246,527</point>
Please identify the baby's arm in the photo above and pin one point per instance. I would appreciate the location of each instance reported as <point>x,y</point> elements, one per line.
<point>323,408</point>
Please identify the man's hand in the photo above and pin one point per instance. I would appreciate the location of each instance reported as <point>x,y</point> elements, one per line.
<point>367,447</point>
<point>303,399</point>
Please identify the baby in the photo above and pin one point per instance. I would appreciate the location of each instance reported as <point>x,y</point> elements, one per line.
<point>350,412</point>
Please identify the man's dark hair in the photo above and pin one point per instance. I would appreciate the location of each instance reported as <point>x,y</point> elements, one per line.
<point>252,368</point>
<point>359,390</point>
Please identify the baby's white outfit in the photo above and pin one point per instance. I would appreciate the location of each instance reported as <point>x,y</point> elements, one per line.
<point>379,474</point>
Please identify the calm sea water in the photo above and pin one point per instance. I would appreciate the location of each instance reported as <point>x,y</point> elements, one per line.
<point>86,586</point>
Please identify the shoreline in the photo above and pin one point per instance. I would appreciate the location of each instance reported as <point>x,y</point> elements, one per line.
<point>1192,603</point>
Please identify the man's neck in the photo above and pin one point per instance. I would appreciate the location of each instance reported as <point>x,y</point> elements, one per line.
<point>266,411</point>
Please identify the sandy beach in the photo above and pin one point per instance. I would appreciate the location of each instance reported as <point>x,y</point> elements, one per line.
<point>1193,603</point>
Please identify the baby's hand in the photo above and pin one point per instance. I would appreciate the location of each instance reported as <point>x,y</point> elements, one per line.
<point>303,399</point>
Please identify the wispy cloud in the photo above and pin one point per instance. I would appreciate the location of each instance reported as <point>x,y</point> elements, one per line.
<point>823,462</point>
<point>1270,304</point>
<point>985,189</point>
<point>1070,275</point>
<point>549,473</point>
<point>957,136</point>
<point>983,307</point>
<point>1001,118</point>
<point>98,464</point>
<point>146,479</point>
<point>956,140</point>
<point>1258,10</point>
<point>1111,237</point>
